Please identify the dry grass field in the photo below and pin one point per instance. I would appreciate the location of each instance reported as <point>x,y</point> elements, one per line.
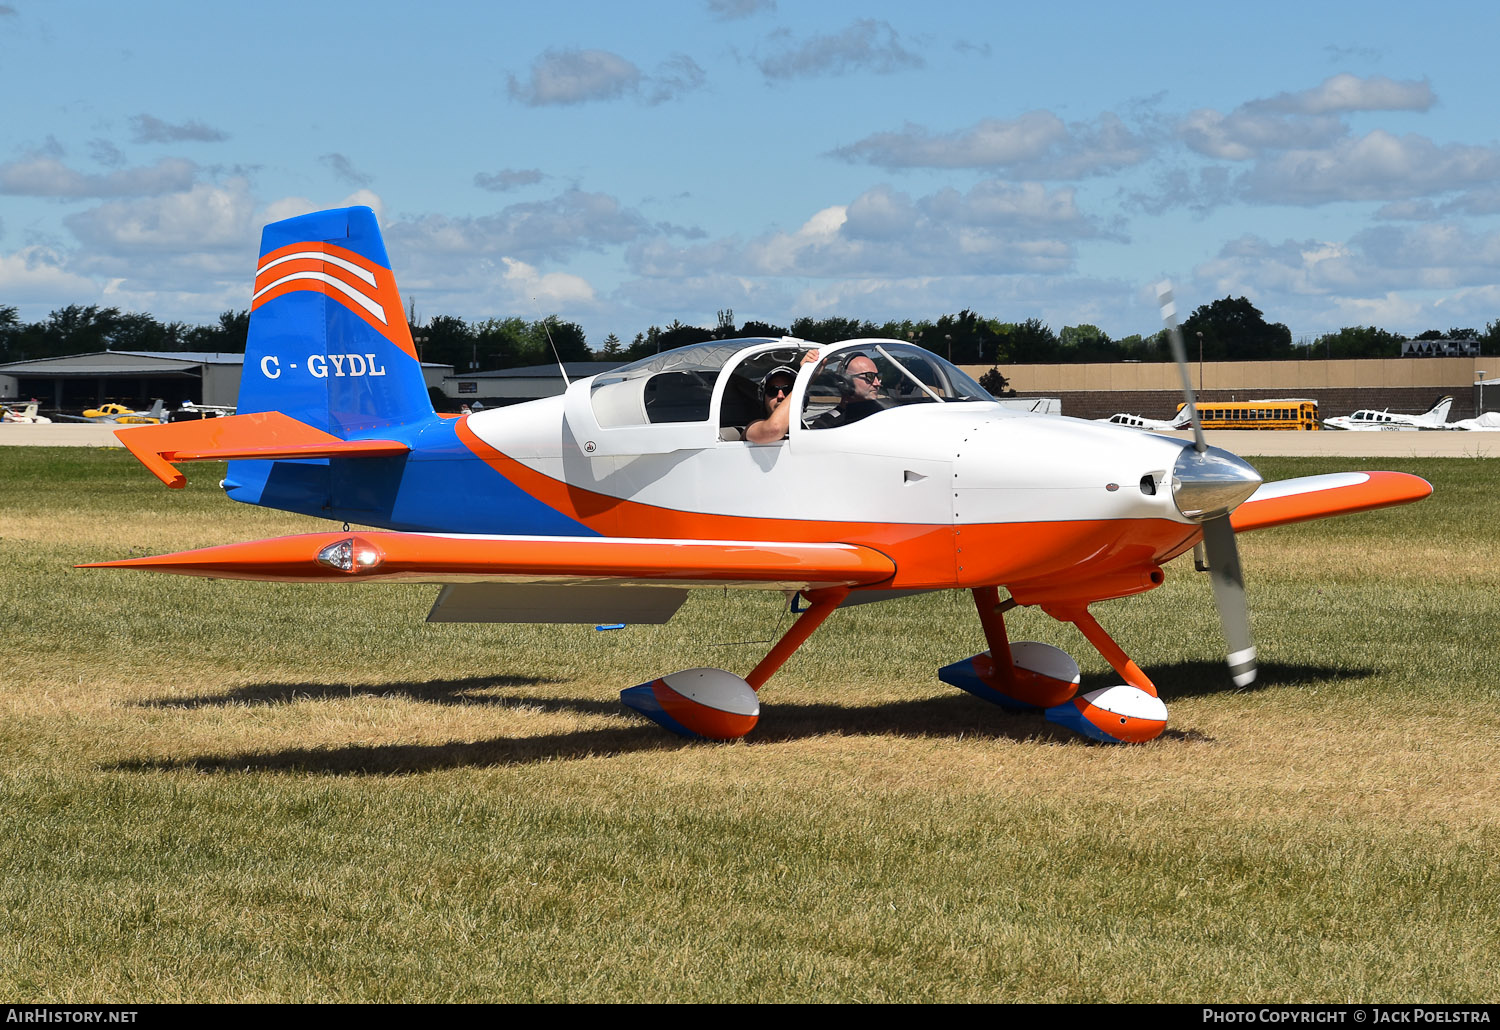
<point>222,791</point>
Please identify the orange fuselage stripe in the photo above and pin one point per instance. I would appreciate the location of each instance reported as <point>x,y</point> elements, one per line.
<point>926,556</point>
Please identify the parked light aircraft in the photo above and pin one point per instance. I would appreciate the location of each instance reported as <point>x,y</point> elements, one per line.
<point>1177,421</point>
<point>607,503</point>
<point>189,411</point>
<point>22,412</point>
<point>121,415</point>
<point>1368,420</point>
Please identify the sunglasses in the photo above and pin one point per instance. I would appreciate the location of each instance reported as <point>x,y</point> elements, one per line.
<point>869,377</point>
<point>774,388</point>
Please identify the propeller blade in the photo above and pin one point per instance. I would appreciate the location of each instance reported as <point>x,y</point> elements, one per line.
<point>1219,548</point>
<point>1229,594</point>
<point>1179,355</point>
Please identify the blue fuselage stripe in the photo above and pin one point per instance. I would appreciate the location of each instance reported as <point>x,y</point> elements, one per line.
<point>440,486</point>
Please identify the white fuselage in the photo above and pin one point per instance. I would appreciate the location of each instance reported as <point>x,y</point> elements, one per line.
<point>954,491</point>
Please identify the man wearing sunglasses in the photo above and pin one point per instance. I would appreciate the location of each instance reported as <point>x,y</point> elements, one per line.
<point>859,388</point>
<point>775,389</point>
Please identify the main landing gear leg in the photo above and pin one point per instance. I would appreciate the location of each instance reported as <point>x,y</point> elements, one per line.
<point>719,705</point>
<point>823,604</point>
<point>1028,676</point>
<point>1130,713</point>
<point>1024,676</point>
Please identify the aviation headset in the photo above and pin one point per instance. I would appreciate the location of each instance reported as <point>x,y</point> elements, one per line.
<point>765,380</point>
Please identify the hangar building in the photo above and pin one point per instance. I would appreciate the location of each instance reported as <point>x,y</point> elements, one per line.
<point>136,378</point>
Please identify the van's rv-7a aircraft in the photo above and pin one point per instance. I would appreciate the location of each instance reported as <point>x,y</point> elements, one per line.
<point>606,503</point>
<point>1369,420</point>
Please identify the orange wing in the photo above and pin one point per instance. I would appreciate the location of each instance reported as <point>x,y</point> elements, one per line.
<point>451,558</point>
<point>1318,497</point>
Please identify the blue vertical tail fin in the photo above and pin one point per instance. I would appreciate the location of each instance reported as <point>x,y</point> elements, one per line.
<point>328,343</point>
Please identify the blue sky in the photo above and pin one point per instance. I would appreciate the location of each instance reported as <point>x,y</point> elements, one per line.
<point>628,164</point>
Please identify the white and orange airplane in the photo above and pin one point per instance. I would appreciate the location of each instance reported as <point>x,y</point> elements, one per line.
<point>898,473</point>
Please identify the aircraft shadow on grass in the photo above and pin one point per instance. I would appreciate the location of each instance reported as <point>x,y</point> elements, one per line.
<point>439,692</point>
<point>951,715</point>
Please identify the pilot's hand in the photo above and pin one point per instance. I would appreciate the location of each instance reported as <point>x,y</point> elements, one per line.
<point>810,357</point>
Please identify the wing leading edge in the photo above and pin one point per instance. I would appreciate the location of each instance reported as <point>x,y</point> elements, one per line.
<point>453,558</point>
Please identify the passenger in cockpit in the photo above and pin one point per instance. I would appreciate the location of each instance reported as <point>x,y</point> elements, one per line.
<point>775,389</point>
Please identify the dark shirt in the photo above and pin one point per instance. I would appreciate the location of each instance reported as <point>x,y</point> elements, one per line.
<point>845,414</point>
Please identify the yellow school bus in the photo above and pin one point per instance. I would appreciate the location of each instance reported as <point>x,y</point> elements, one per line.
<point>1272,413</point>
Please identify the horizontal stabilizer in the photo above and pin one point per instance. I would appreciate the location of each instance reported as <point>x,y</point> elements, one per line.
<point>454,558</point>
<point>1319,497</point>
<point>262,434</point>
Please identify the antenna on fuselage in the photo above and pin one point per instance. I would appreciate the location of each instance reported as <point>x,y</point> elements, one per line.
<point>551,343</point>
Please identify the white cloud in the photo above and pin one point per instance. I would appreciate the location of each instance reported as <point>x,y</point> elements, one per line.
<point>1440,253</point>
<point>507,179</point>
<point>41,275</point>
<point>576,76</point>
<point>1298,149</point>
<point>696,298</point>
<point>1376,166</point>
<point>550,290</point>
<point>286,207</point>
<point>1243,134</point>
<point>1345,92</point>
<point>994,228</point>
<point>1056,300</point>
<point>47,176</point>
<point>562,77</point>
<point>865,46</point>
<point>676,76</point>
<point>1302,120</point>
<point>547,229</point>
<point>1401,282</point>
<point>365,198</point>
<point>202,218</point>
<point>1018,207</point>
<point>103,152</point>
<point>150,129</point>
<point>344,168</point>
<point>730,10</point>
<point>1036,145</point>
<point>1376,263</point>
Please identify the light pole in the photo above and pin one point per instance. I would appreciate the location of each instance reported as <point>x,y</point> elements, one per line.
<point>1479,381</point>
<point>1200,363</point>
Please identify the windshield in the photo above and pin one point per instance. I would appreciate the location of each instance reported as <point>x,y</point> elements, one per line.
<point>869,376</point>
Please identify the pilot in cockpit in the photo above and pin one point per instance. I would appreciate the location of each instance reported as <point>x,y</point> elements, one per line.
<point>858,382</point>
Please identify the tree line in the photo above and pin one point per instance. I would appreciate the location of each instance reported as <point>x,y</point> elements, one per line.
<point>1229,329</point>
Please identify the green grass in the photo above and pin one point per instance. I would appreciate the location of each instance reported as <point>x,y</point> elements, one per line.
<point>218,791</point>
